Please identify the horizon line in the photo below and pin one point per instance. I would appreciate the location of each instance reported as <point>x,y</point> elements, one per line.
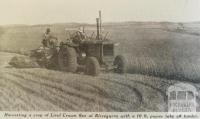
<point>109,22</point>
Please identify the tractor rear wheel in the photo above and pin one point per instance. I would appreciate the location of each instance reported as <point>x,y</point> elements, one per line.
<point>120,64</point>
<point>67,59</point>
<point>92,66</point>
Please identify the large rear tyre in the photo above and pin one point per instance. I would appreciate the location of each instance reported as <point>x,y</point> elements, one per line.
<point>92,66</point>
<point>67,59</point>
<point>120,64</point>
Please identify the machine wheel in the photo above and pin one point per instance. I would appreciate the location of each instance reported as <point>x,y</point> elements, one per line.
<point>92,66</point>
<point>54,61</point>
<point>67,59</point>
<point>120,64</point>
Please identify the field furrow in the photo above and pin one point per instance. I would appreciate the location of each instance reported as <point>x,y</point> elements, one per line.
<point>73,89</point>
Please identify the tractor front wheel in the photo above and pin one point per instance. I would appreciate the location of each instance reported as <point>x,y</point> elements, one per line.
<point>120,64</point>
<point>92,66</point>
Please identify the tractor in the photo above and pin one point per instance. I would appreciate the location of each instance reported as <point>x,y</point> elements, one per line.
<point>84,54</point>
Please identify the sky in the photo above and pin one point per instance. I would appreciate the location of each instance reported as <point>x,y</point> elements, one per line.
<point>85,11</point>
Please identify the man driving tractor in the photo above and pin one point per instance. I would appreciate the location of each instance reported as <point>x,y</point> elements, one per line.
<point>48,50</point>
<point>49,40</point>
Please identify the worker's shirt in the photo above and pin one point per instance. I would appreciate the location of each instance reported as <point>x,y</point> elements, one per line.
<point>49,39</point>
<point>47,36</point>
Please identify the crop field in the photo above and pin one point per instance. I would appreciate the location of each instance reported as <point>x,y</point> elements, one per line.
<point>169,50</point>
<point>159,55</point>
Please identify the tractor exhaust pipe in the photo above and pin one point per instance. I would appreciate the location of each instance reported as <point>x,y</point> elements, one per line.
<point>98,32</point>
<point>100,22</point>
<point>99,25</point>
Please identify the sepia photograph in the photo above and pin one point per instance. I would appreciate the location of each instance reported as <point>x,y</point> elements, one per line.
<point>100,55</point>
